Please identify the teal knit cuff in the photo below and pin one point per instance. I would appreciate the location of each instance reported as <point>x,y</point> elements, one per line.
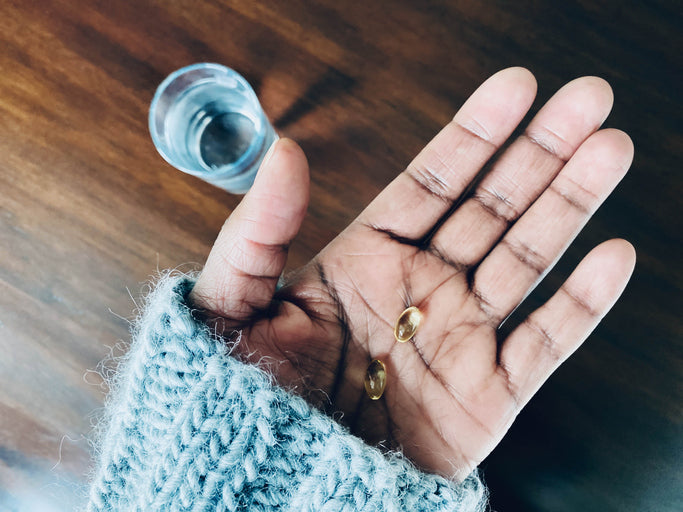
<point>190,428</point>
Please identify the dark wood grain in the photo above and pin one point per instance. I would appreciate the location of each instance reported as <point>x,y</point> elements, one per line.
<point>89,210</point>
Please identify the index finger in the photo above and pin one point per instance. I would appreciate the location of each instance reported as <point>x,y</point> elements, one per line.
<point>411,205</point>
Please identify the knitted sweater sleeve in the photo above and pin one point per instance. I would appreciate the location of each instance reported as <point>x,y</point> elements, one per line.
<point>190,428</point>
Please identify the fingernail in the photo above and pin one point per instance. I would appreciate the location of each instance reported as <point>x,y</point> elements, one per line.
<point>269,154</point>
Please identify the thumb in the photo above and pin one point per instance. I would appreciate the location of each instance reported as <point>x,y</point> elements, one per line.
<point>244,265</point>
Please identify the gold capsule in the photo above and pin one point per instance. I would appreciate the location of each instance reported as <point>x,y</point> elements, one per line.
<point>375,379</point>
<point>407,324</point>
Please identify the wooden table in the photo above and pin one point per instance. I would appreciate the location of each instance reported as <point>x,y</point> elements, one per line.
<point>89,210</point>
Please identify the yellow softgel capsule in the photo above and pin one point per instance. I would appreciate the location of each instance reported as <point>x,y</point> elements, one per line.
<point>407,324</point>
<point>375,379</point>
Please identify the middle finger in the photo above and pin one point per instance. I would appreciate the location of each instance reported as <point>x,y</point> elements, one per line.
<point>525,169</point>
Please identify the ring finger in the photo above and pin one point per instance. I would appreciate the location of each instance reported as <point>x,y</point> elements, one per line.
<point>531,247</point>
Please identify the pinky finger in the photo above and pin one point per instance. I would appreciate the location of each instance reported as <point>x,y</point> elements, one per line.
<point>547,337</point>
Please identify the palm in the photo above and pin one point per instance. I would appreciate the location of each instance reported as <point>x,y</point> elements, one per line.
<point>429,406</point>
<point>454,389</point>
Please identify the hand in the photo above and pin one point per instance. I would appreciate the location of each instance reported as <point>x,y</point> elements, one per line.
<point>454,389</point>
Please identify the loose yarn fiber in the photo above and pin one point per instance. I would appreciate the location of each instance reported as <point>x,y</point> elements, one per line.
<point>190,428</point>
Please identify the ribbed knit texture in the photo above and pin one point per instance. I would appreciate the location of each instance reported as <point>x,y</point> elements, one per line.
<point>192,429</point>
